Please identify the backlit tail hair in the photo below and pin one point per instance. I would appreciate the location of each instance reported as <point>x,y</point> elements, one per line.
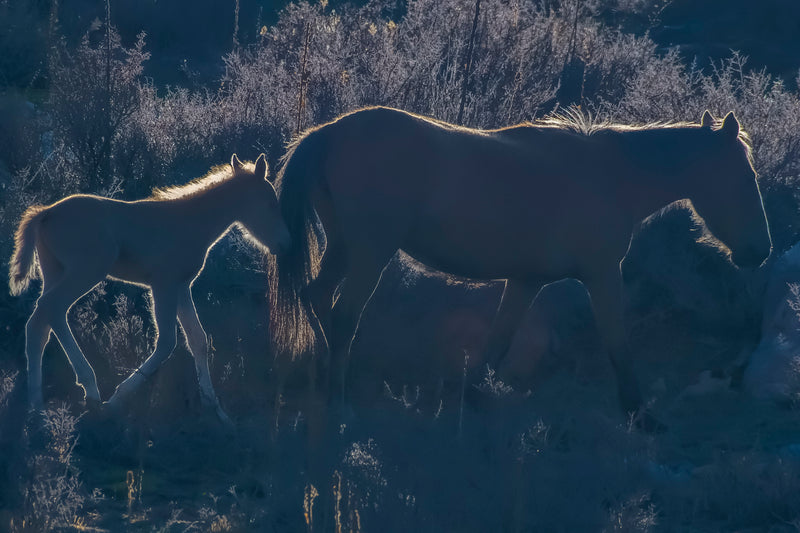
<point>291,330</point>
<point>23,265</point>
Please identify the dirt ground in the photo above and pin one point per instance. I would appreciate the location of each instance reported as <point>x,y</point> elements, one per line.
<point>411,451</point>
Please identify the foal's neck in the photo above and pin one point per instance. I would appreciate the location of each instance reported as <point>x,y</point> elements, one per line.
<point>217,207</point>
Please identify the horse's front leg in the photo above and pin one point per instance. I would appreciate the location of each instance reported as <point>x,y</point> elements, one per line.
<point>198,345</point>
<point>605,291</point>
<point>360,281</point>
<point>164,309</point>
<point>517,298</point>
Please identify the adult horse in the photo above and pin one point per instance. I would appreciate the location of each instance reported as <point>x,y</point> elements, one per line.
<point>529,204</point>
<point>160,243</point>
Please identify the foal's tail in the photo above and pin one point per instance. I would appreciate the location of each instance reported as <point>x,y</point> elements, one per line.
<point>22,268</point>
<point>289,273</point>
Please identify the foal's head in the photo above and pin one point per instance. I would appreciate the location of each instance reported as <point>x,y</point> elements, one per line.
<point>259,211</point>
<point>725,191</point>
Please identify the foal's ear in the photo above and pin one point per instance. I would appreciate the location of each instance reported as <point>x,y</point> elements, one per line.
<point>261,167</point>
<point>730,126</point>
<point>236,164</point>
<point>707,119</point>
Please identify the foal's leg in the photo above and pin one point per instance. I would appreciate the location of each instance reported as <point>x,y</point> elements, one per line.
<point>84,373</point>
<point>198,345</point>
<point>605,291</point>
<point>165,298</point>
<point>51,312</point>
<point>517,298</point>
<point>37,332</point>
<point>37,329</point>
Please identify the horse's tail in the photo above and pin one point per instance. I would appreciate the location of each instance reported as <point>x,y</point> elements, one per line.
<point>22,268</point>
<point>289,273</point>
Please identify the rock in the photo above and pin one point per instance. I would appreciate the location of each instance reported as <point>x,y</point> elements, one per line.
<point>773,372</point>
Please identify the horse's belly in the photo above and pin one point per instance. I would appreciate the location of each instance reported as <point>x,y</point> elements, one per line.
<point>500,259</point>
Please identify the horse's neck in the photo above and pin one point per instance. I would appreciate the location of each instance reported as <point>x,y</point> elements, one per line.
<point>659,170</point>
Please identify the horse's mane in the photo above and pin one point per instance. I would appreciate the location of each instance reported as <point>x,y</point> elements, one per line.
<point>213,178</point>
<point>578,121</point>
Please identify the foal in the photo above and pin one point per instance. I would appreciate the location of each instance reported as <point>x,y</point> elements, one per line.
<point>160,242</point>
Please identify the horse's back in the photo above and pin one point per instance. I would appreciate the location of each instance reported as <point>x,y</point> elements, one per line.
<point>483,204</point>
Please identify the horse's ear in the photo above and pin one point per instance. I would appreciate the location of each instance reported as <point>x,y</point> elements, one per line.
<point>236,164</point>
<point>707,119</point>
<point>262,167</point>
<point>730,126</point>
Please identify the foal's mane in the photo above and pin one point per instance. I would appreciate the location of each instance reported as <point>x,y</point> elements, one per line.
<point>213,178</point>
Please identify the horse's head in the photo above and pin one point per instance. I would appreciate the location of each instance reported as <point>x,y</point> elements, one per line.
<point>260,212</point>
<point>725,192</point>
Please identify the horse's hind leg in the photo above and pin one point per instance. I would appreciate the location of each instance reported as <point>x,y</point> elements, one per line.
<point>165,303</point>
<point>332,266</point>
<point>198,345</point>
<point>322,289</point>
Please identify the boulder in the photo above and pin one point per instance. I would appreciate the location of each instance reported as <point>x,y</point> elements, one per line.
<point>773,372</point>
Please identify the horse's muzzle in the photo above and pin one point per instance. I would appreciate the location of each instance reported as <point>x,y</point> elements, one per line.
<point>283,245</point>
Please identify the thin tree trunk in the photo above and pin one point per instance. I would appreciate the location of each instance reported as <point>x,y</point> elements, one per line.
<point>104,171</point>
<point>236,25</point>
<point>468,62</point>
<point>301,100</point>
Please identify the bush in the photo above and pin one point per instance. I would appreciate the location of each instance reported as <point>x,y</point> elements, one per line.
<point>94,92</point>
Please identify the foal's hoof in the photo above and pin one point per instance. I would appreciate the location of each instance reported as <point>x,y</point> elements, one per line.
<point>212,404</point>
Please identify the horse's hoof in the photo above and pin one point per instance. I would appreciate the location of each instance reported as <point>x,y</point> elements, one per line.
<point>35,402</point>
<point>112,406</point>
<point>646,422</point>
<point>92,405</point>
<point>226,422</point>
<point>224,419</point>
<point>96,411</point>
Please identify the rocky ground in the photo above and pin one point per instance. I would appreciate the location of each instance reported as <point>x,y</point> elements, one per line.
<point>553,454</point>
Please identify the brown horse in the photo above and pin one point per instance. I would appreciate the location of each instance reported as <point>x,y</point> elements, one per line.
<point>160,243</point>
<point>529,204</point>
